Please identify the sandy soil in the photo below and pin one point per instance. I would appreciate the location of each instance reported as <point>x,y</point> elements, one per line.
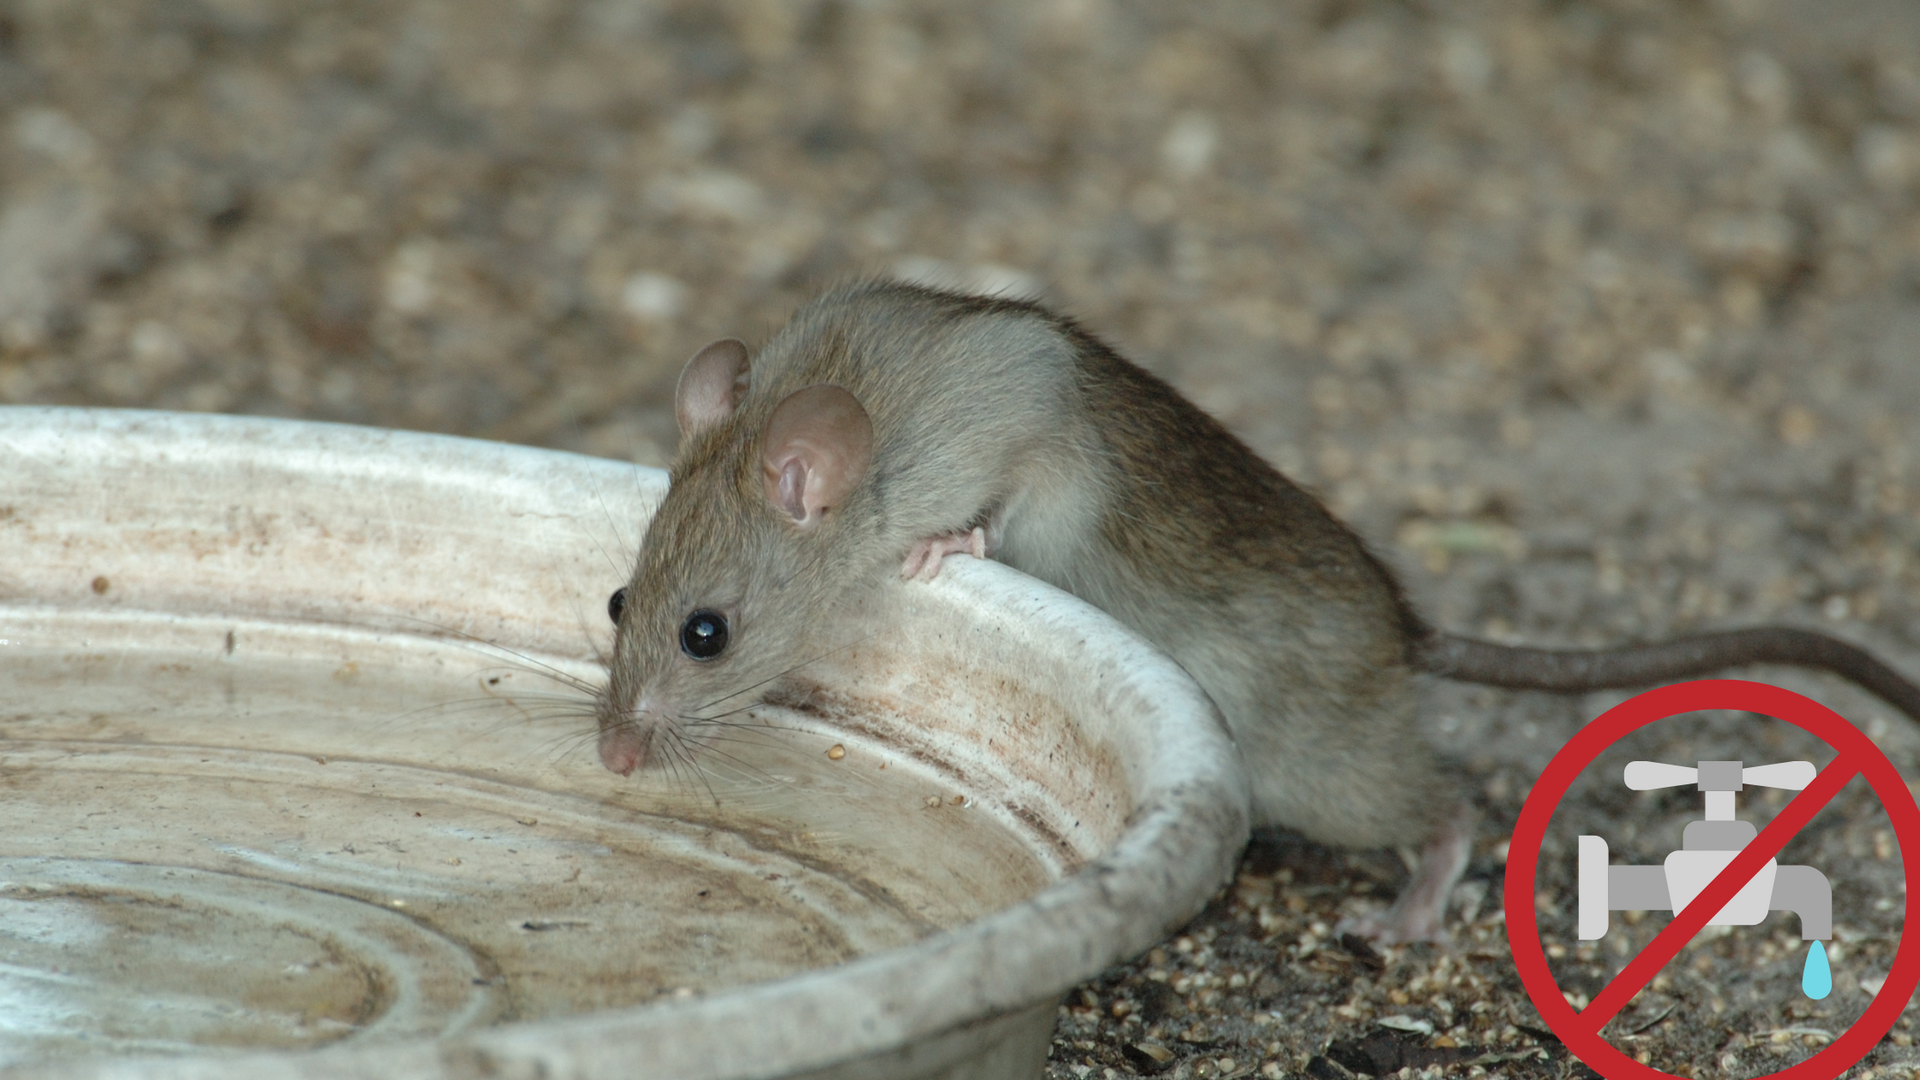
<point>1602,319</point>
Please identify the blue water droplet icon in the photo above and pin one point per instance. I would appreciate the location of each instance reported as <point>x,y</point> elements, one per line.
<point>1816,981</point>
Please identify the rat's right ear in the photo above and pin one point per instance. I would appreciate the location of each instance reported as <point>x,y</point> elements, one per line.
<point>711,385</point>
<point>819,443</point>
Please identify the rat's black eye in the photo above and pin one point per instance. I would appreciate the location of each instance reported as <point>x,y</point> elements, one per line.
<point>704,635</point>
<point>616,604</point>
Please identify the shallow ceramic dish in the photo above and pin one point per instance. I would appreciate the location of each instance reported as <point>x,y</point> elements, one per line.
<point>297,780</point>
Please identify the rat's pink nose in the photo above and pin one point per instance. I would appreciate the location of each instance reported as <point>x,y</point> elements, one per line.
<point>621,749</point>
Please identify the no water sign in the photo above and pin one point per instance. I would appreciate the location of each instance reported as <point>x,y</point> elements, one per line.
<point>1728,873</point>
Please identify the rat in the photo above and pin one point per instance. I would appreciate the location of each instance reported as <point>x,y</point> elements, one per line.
<point>888,426</point>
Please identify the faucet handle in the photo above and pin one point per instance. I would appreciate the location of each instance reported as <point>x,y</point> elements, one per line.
<point>1648,775</point>
<point>1792,775</point>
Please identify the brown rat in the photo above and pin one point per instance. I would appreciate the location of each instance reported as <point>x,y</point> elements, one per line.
<point>888,425</point>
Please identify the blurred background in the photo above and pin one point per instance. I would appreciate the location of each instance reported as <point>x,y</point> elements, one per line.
<point>1601,318</point>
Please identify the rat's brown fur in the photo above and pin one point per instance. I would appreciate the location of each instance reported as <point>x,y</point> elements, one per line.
<point>1089,473</point>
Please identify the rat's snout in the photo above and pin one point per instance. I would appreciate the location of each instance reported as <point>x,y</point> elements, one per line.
<point>622,749</point>
<point>625,736</point>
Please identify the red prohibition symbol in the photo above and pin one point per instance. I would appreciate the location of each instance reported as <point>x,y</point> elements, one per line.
<point>1580,1031</point>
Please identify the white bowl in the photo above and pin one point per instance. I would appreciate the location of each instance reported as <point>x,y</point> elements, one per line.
<point>297,779</point>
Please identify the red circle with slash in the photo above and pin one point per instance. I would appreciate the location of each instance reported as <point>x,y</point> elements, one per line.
<point>1580,1031</point>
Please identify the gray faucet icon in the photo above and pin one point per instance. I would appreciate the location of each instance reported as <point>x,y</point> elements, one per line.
<point>1706,849</point>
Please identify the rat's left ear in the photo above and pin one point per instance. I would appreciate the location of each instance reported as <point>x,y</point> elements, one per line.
<point>819,443</point>
<point>711,385</point>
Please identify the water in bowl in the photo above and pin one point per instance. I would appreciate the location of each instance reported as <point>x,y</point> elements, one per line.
<point>230,834</point>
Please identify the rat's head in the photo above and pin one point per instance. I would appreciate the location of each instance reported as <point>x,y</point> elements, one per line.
<point>740,563</point>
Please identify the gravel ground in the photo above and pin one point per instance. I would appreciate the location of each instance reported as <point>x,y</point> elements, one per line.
<point>1602,319</point>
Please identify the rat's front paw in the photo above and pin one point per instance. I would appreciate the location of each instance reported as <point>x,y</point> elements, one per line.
<point>923,559</point>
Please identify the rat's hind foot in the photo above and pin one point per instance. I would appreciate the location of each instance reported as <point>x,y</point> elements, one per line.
<point>1421,912</point>
<point>923,559</point>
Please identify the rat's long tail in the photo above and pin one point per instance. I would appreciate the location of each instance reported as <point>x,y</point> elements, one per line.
<point>1572,670</point>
